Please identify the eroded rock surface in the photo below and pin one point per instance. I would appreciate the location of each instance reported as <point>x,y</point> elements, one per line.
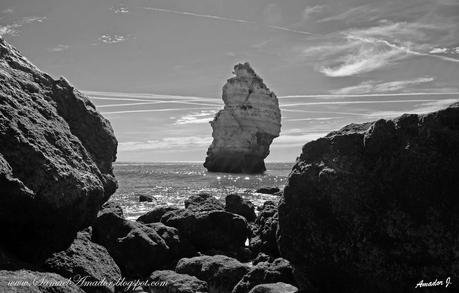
<point>373,207</point>
<point>246,127</point>
<point>56,154</point>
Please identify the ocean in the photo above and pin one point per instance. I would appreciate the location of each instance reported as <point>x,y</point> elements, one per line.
<point>173,183</point>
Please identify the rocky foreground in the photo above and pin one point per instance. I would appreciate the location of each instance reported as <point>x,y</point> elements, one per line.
<point>243,131</point>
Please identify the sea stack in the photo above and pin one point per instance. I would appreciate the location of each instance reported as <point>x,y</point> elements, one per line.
<point>56,154</point>
<point>245,128</point>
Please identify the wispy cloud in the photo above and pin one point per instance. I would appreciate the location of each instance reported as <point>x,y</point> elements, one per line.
<point>381,87</point>
<point>13,29</point>
<point>59,48</point>
<point>112,39</point>
<point>357,51</point>
<point>421,109</point>
<point>166,143</point>
<point>197,117</point>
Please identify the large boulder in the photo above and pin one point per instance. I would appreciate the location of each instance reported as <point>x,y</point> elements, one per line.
<point>25,281</point>
<point>279,270</point>
<point>170,281</point>
<point>207,230</point>
<point>236,204</point>
<point>56,155</point>
<point>220,272</point>
<point>264,230</point>
<point>245,128</point>
<point>203,202</point>
<point>85,263</point>
<point>137,249</point>
<point>373,207</point>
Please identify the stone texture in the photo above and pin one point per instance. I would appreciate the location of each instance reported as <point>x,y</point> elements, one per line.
<point>268,190</point>
<point>85,261</point>
<point>264,230</point>
<point>279,270</point>
<point>203,202</point>
<point>220,272</point>
<point>274,288</point>
<point>236,204</point>
<point>155,214</point>
<point>137,249</point>
<point>56,155</point>
<point>177,283</point>
<point>373,207</point>
<point>36,282</point>
<point>245,128</point>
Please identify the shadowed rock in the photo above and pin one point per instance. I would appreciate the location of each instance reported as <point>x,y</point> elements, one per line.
<point>237,205</point>
<point>56,155</point>
<point>373,207</point>
<point>220,272</point>
<point>274,288</point>
<point>245,128</point>
<point>155,214</point>
<point>85,261</point>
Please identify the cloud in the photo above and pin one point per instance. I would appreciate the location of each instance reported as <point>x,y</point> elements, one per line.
<point>356,51</point>
<point>310,10</point>
<point>59,48</point>
<point>272,14</point>
<point>119,10</point>
<point>8,11</point>
<point>421,109</point>
<point>293,140</point>
<point>375,87</point>
<point>355,14</point>
<point>204,116</point>
<point>166,143</point>
<point>13,29</point>
<point>112,39</point>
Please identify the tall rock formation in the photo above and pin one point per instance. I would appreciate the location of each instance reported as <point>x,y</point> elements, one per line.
<point>246,127</point>
<point>56,155</point>
<point>374,207</point>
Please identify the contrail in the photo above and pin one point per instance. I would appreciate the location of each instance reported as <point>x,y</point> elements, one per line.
<point>365,95</point>
<point>356,102</point>
<point>157,102</point>
<point>237,20</point>
<point>324,112</point>
<point>150,110</point>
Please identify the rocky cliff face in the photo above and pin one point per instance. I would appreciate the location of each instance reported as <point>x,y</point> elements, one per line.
<point>246,127</point>
<point>56,155</point>
<point>373,207</point>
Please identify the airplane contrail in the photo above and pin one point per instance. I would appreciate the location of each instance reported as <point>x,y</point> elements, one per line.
<point>365,95</point>
<point>356,102</point>
<point>215,17</point>
<point>150,110</point>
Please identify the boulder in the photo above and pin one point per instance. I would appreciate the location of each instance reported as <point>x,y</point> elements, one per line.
<point>146,198</point>
<point>56,155</point>
<point>206,230</point>
<point>264,231</point>
<point>25,281</point>
<point>111,207</point>
<point>155,214</point>
<point>137,249</point>
<point>262,257</point>
<point>279,270</point>
<point>203,202</point>
<point>85,262</point>
<point>237,205</point>
<point>278,287</point>
<point>220,272</point>
<point>373,207</point>
<point>170,281</point>
<point>243,131</point>
<point>268,190</point>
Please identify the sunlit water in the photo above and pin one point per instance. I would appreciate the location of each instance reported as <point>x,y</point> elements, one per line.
<point>172,183</point>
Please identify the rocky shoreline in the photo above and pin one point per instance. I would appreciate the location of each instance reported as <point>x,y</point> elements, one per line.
<point>368,208</point>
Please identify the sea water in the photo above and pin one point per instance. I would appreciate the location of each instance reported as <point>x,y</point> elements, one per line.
<point>173,183</point>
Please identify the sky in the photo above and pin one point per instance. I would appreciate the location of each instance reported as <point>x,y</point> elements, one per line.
<point>155,68</point>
